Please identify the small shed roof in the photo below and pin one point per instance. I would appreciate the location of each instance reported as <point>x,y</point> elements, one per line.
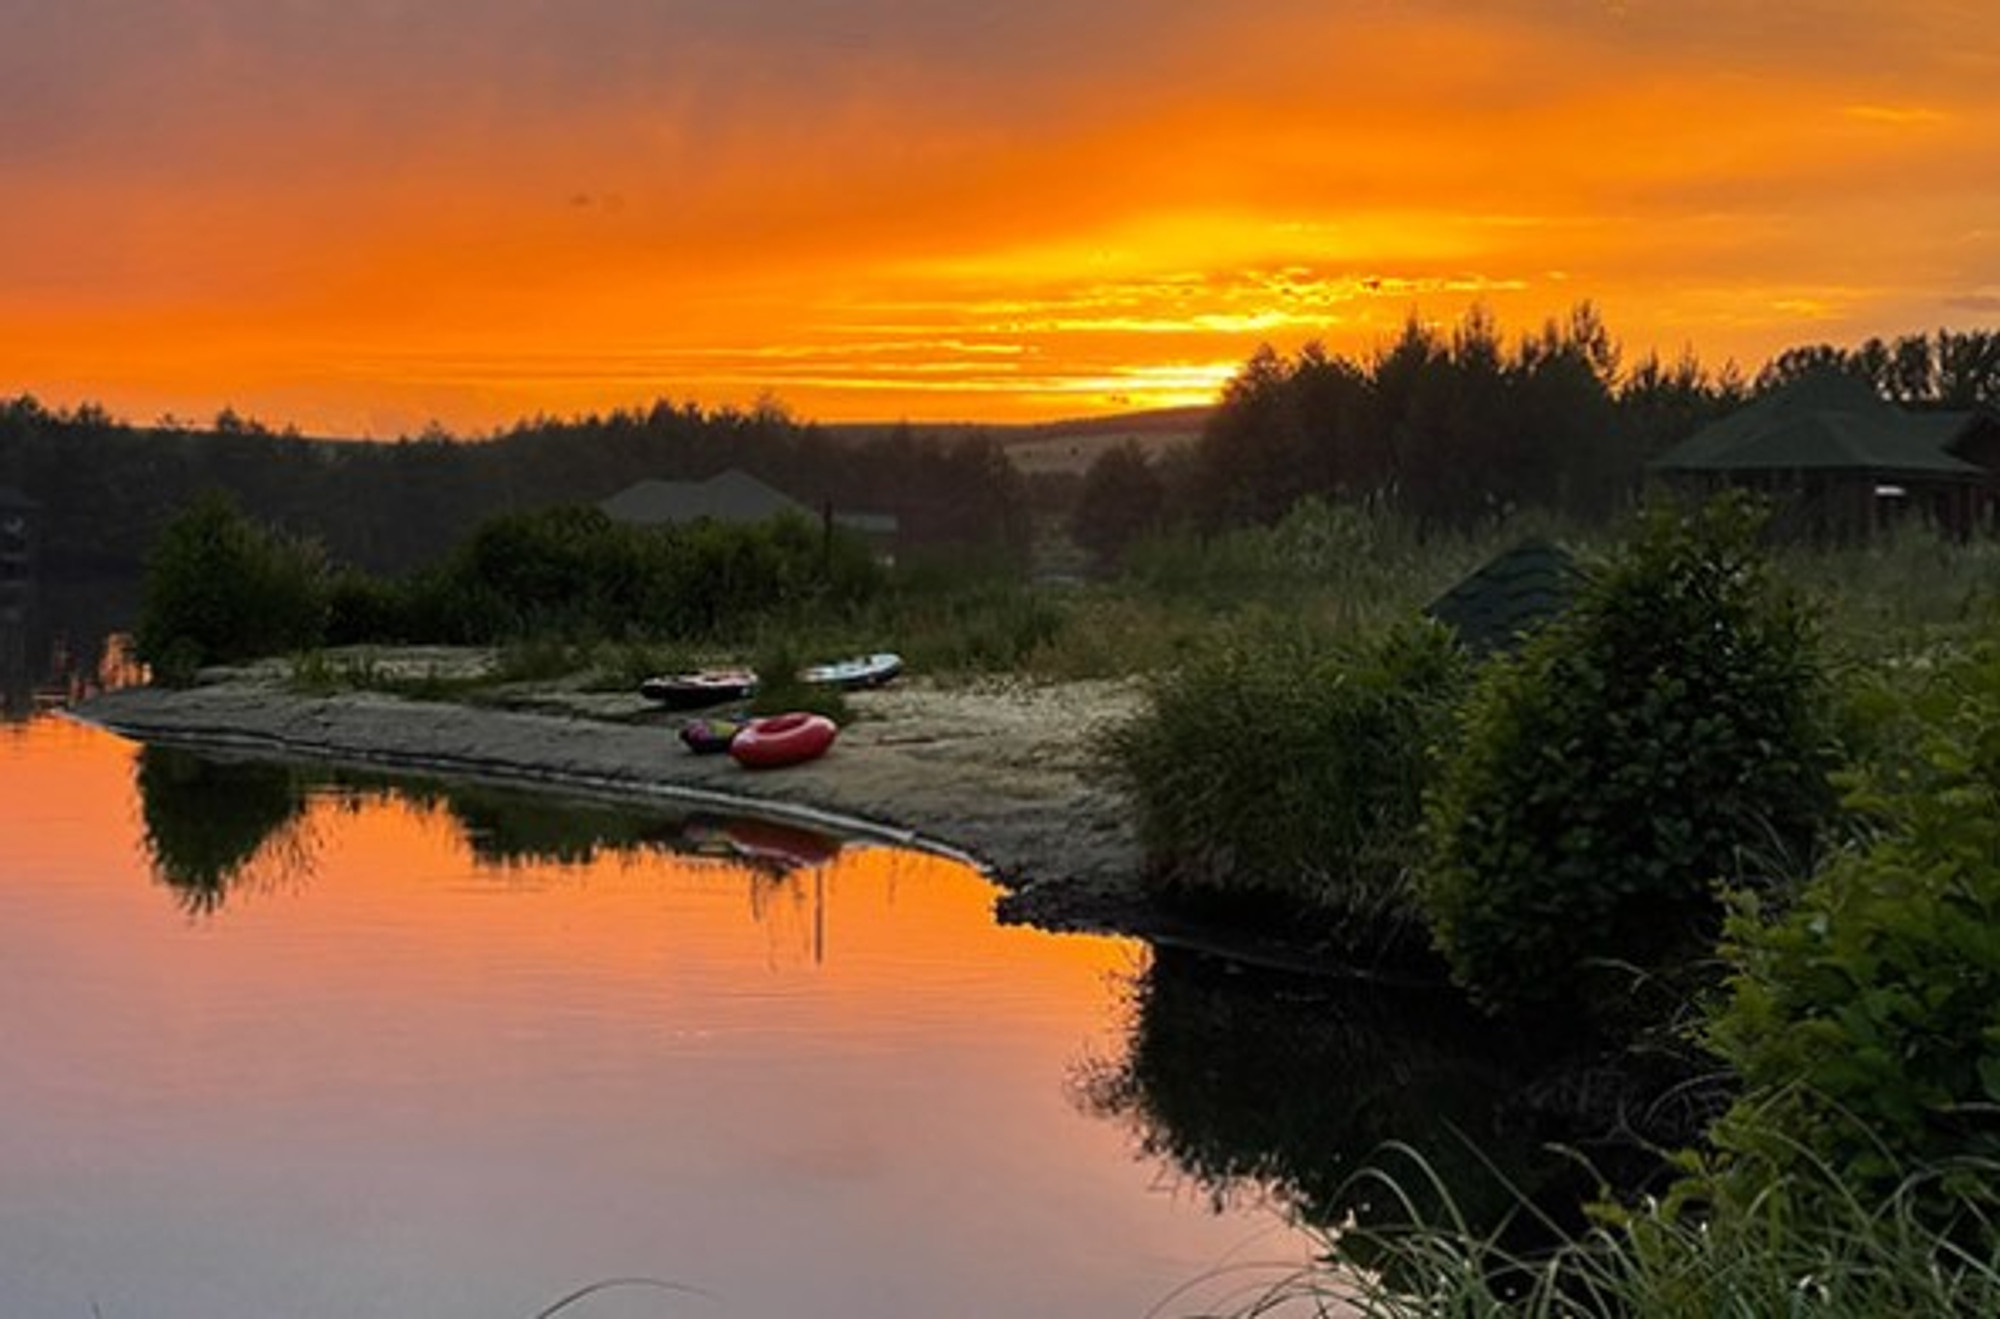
<point>1827,422</point>
<point>1508,596</point>
<point>730,496</point>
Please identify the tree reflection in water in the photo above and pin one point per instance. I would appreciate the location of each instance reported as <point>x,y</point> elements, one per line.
<point>506,828</point>
<point>1269,1083</point>
<point>211,823</point>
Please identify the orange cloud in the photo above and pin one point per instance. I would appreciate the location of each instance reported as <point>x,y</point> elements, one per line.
<point>361,221</point>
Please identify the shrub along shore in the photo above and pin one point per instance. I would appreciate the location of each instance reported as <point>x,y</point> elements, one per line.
<point>1714,826</point>
<point>1688,835</point>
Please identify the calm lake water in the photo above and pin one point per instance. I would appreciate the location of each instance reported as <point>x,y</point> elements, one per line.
<point>277,1044</point>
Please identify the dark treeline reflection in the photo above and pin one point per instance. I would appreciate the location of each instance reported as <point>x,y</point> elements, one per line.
<point>1267,1083</point>
<point>506,829</point>
<point>214,824</point>
<point>206,820</point>
<point>509,828</point>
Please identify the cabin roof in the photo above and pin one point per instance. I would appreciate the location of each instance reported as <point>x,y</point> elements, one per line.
<point>730,496</point>
<point>1828,422</point>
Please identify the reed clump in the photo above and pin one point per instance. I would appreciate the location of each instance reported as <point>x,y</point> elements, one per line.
<point>1285,765</point>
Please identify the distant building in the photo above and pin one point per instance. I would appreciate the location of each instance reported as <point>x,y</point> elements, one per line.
<point>731,496</point>
<point>1841,463</point>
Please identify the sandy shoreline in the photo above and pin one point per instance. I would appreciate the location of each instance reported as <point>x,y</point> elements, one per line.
<point>1002,773</point>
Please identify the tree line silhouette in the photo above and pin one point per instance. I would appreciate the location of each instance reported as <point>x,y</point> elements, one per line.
<point>1453,429</point>
<point>1450,428</point>
<point>106,488</point>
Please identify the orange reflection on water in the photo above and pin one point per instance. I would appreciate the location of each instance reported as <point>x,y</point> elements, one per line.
<point>797,900</point>
<point>385,903</point>
<point>841,914</point>
<point>54,764</point>
<point>380,1065</point>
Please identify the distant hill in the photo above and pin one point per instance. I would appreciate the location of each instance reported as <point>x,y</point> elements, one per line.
<point>1057,447</point>
<point>1069,447</point>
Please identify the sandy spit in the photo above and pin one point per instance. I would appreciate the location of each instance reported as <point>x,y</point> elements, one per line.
<point>1001,773</point>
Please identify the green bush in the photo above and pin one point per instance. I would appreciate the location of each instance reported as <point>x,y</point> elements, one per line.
<point>561,570</point>
<point>573,572</point>
<point>220,587</point>
<point>1664,735</point>
<point>1863,1019</point>
<point>361,608</point>
<point>1275,763</point>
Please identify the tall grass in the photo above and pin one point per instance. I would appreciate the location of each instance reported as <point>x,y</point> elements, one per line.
<point>1281,763</point>
<point>623,665</point>
<point>1899,595</point>
<point>1352,566</point>
<point>1663,1259</point>
<point>781,689</point>
<point>1113,633</point>
<point>979,627</point>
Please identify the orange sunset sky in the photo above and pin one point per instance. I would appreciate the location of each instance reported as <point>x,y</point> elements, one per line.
<point>360,215</point>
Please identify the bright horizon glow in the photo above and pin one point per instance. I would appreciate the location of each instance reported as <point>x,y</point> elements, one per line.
<point>360,219</point>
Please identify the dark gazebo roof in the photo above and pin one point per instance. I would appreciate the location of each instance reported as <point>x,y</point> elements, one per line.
<point>1826,422</point>
<point>1509,596</point>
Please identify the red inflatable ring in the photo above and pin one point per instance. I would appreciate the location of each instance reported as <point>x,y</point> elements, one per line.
<point>782,739</point>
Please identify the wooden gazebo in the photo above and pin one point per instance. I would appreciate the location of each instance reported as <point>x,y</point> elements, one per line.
<point>1842,464</point>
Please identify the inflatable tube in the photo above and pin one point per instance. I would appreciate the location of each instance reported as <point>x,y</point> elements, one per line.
<point>783,739</point>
